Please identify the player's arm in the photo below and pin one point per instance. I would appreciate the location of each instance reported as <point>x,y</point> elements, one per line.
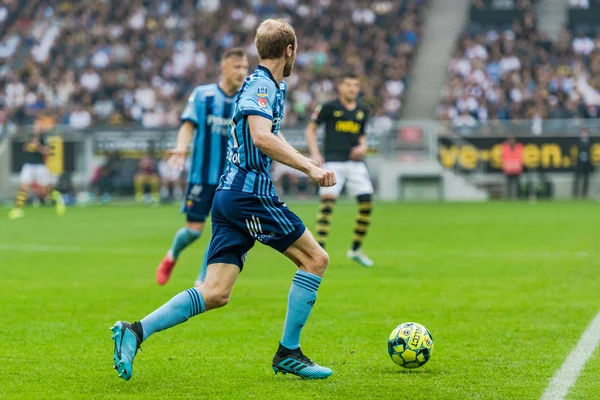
<point>189,119</point>
<point>278,150</point>
<point>43,146</point>
<point>311,135</point>
<point>184,137</point>
<point>360,151</point>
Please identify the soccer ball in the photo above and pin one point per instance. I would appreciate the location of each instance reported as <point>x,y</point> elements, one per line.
<point>410,345</point>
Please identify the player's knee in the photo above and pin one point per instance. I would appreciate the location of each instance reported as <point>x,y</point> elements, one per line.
<point>195,226</point>
<point>216,298</point>
<point>364,198</point>
<point>318,262</point>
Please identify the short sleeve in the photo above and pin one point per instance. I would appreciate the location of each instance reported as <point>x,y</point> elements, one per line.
<point>190,112</point>
<point>258,99</point>
<point>320,114</point>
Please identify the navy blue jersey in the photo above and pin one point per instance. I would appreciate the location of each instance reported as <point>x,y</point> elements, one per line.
<point>210,109</point>
<point>247,167</point>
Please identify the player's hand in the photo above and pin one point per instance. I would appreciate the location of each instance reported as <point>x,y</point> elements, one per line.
<point>177,159</point>
<point>317,158</point>
<point>358,152</point>
<point>323,177</point>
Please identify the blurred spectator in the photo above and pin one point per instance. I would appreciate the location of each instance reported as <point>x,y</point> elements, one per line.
<point>102,181</point>
<point>137,61</point>
<point>80,118</point>
<point>583,166</point>
<point>517,73</point>
<point>512,166</point>
<point>291,182</point>
<point>147,177</point>
<point>170,181</point>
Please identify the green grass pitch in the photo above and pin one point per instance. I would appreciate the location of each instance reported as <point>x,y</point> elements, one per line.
<point>505,288</point>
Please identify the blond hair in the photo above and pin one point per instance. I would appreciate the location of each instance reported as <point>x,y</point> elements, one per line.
<point>273,36</point>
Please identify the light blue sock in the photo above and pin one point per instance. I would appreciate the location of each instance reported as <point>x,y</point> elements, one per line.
<point>301,299</point>
<point>177,310</point>
<point>183,238</point>
<point>202,274</point>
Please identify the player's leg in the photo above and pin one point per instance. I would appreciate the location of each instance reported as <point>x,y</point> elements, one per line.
<point>299,245</point>
<point>164,189</point>
<point>139,182</point>
<point>44,178</point>
<point>197,205</point>
<point>203,269</point>
<point>25,181</point>
<point>184,237</point>
<point>329,196</point>
<point>359,184</point>
<point>155,188</point>
<point>213,294</point>
<point>227,252</point>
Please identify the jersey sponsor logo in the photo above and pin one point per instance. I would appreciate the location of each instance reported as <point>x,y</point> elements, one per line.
<point>234,156</point>
<point>222,122</point>
<point>347,126</point>
<point>262,101</point>
<point>262,92</point>
<point>360,115</point>
<point>338,113</point>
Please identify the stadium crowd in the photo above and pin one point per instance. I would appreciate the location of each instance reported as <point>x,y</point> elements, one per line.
<point>135,62</point>
<point>515,72</point>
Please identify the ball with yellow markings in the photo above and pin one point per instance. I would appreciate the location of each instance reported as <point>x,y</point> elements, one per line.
<point>410,345</point>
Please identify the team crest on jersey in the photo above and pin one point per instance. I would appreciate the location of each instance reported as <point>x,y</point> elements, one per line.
<point>360,115</point>
<point>262,92</point>
<point>338,113</point>
<point>262,101</point>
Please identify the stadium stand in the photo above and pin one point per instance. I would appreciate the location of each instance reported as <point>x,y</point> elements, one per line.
<point>135,62</point>
<point>504,70</point>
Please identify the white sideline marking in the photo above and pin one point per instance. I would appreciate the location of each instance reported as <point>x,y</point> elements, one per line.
<point>567,375</point>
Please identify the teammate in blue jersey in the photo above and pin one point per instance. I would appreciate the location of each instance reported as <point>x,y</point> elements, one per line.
<point>246,209</point>
<point>206,118</point>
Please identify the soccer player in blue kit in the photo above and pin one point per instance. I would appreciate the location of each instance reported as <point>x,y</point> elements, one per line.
<point>246,209</point>
<point>206,118</point>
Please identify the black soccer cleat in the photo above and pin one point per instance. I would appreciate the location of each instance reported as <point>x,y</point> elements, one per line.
<point>295,362</point>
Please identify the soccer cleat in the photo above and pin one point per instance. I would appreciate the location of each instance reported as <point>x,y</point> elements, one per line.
<point>126,345</point>
<point>139,197</point>
<point>163,272</point>
<point>294,362</point>
<point>16,213</point>
<point>61,208</point>
<point>360,257</point>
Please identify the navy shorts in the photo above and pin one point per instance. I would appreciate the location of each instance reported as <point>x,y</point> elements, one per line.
<point>240,219</point>
<point>198,201</point>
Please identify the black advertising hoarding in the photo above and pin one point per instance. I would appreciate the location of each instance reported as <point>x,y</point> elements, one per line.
<point>61,159</point>
<point>546,154</point>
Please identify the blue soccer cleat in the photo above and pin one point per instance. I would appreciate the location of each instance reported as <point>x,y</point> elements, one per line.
<point>126,345</point>
<point>294,362</point>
